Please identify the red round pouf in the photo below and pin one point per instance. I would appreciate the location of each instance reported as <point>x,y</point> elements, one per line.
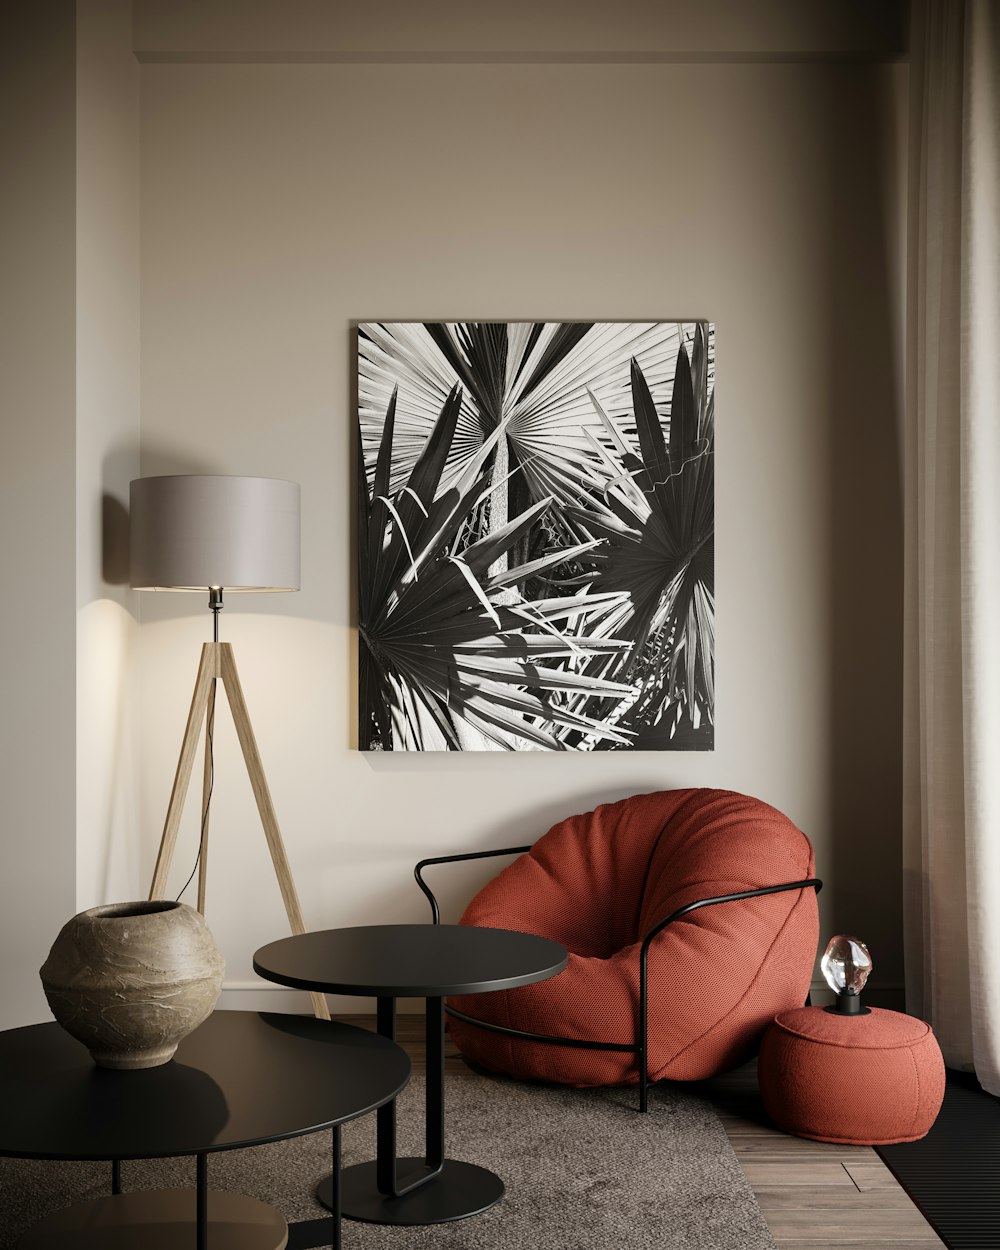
<point>863,1080</point>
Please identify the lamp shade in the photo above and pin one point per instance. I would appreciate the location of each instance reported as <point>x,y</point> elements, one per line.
<point>197,531</point>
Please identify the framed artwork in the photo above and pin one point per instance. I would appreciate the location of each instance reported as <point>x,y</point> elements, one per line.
<point>536,536</point>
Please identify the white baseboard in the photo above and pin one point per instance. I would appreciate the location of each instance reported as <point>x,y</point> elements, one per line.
<point>263,996</point>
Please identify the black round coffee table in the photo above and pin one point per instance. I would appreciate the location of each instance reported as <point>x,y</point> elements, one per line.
<point>241,1079</point>
<point>421,961</point>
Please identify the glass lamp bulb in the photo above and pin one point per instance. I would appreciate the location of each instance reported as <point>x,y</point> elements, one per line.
<point>846,964</point>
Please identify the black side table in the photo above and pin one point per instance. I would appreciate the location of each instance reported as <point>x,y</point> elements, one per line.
<point>241,1079</point>
<point>420,961</point>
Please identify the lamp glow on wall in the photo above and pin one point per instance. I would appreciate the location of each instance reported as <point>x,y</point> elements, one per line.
<point>216,534</point>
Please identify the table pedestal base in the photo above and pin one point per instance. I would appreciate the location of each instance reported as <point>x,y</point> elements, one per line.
<point>160,1219</point>
<point>456,1192</point>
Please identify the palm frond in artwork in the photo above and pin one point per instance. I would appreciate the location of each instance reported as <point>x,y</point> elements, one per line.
<point>655,518</point>
<point>450,654</point>
<point>531,376</point>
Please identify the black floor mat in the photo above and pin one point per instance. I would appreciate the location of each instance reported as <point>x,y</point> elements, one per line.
<point>953,1174</point>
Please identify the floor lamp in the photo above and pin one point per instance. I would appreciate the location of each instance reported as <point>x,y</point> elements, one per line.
<point>213,534</point>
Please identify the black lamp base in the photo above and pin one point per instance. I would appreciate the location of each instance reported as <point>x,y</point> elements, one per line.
<point>848,1005</point>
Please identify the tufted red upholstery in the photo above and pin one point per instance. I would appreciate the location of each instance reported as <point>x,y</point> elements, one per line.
<point>865,1080</point>
<point>598,883</point>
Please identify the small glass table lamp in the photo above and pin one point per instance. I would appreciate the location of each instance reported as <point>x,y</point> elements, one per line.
<point>847,965</point>
<point>215,534</point>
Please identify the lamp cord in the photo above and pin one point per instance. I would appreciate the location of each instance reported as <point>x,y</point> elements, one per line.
<point>210,747</point>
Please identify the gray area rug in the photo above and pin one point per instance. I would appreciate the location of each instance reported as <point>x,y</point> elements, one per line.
<point>583,1169</point>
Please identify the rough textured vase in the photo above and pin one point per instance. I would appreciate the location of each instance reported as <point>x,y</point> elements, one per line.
<point>130,980</point>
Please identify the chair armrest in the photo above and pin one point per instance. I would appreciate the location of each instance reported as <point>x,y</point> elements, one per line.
<point>454,859</point>
<point>813,882</point>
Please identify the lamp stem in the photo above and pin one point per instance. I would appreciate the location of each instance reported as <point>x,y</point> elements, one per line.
<point>215,606</point>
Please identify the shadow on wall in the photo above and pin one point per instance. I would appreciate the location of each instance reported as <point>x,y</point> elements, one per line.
<point>353,451</point>
<point>117,468</point>
<point>114,540</point>
<point>862,412</point>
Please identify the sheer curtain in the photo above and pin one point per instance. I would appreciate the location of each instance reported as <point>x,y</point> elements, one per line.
<point>952,643</point>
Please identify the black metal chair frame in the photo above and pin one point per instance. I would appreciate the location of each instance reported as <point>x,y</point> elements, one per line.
<point>640,1047</point>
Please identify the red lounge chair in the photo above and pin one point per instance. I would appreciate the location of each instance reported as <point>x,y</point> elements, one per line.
<point>690,918</point>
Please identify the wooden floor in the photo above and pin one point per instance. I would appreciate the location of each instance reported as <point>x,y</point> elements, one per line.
<point>814,1196</point>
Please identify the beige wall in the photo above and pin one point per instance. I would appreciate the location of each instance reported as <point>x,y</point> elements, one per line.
<point>107,451</point>
<point>282,202</point>
<point>37,471</point>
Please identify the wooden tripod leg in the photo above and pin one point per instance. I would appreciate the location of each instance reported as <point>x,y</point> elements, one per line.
<point>207,670</point>
<point>207,781</point>
<point>244,731</point>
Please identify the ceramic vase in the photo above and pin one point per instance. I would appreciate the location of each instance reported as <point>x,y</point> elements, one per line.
<point>131,980</point>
